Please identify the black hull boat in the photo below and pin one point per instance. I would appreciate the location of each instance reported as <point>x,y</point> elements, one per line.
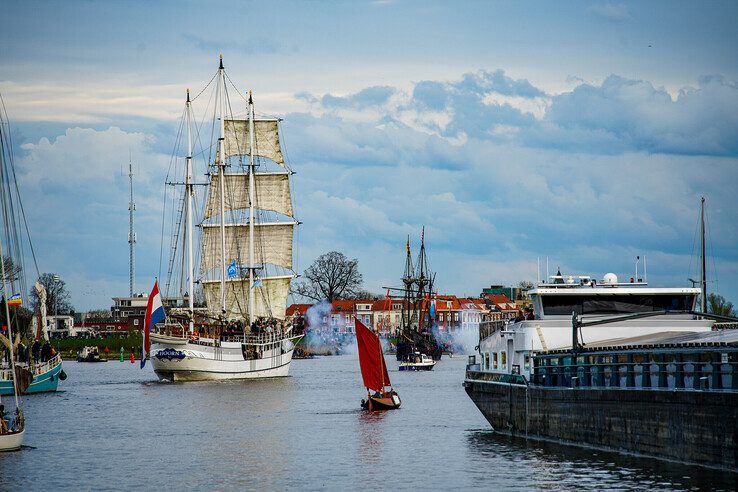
<point>388,401</point>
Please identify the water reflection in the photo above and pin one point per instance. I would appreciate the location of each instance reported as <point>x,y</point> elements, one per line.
<point>549,465</point>
<point>370,440</point>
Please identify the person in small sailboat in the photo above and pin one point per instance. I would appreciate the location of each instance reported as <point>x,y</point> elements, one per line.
<point>374,371</point>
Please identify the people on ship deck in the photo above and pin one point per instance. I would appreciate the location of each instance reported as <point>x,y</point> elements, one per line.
<point>46,352</point>
<point>3,420</point>
<point>36,350</point>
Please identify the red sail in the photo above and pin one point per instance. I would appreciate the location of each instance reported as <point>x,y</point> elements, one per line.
<point>371,359</point>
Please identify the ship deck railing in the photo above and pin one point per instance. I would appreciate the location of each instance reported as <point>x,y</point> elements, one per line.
<point>209,339</point>
<point>704,370</point>
<point>36,368</point>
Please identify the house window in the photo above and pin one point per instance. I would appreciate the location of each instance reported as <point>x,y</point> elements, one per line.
<point>503,359</point>
<point>494,360</point>
<point>456,316</point>
<point>440,317</point>
<point>486,361</point>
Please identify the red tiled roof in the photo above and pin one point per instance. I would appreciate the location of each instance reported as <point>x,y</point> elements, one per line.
<point>297,307</point>
<point>343,305</point>
<point>497,298</point>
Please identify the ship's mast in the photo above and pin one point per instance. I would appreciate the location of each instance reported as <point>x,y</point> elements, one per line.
<point>251,210</point>
<point>189,192</point>
<point>9,323</point>
<point>703,272</point>
<point>131,233</point>
<point>221,182</point>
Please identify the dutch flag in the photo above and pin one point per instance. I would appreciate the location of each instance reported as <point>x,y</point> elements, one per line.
<point>154,314</point>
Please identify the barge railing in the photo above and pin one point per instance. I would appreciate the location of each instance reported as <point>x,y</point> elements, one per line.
<point>702,369</point>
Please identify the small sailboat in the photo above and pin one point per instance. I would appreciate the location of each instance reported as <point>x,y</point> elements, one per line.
<point>11,428</point>
<point>22,374</point>
<point>380,394</point>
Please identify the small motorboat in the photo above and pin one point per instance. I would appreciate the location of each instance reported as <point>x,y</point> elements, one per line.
<point>417,362</point>
<point>380,394</point>
<point>89,354</point>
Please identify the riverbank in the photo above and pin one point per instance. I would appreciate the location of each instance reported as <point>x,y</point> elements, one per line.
<point>69,347</point>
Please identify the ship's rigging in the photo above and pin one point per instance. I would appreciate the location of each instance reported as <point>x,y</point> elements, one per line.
<point>245,223</point>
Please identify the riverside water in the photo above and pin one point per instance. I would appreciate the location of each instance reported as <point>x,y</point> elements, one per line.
<point>113,426</point>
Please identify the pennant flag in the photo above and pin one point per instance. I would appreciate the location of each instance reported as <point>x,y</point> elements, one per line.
<point>154,314</point>
<point>433,309</point>
<point>233,270</point>
<point>15,300</point>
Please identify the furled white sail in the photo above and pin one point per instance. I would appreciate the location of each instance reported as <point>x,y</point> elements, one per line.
<point>272,193</point>
<point>270,297</point>
<point>266,136</point>
<point>273,244</point>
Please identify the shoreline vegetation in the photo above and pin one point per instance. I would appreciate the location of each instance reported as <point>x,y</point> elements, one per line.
<point>69,347</point>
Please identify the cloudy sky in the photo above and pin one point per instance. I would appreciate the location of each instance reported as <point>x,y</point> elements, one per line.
<point>584,132</point>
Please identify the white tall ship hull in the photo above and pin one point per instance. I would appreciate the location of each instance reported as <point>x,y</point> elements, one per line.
<point>177,359</point>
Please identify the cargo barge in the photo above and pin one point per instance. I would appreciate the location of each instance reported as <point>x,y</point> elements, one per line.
<point>621,367</point>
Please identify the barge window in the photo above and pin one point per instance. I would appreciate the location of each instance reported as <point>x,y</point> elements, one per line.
<point>494,360</point>
<point>615,303</point>
<point>503,359</point>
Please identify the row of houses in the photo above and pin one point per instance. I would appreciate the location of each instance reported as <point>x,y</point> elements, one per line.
<point>385,315</point>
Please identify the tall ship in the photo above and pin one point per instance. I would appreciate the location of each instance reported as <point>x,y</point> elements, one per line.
<point>35,370</point>
<point>418,328</point>
<point>238,330</point>
<point>614,365</point>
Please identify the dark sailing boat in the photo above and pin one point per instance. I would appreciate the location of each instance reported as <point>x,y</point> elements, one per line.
<point>418,317</point>
<point>374,371</point>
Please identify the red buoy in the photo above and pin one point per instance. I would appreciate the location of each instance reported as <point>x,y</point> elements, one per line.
<point>133,358</point>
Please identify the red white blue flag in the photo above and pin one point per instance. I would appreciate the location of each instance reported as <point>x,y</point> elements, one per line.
<point>154,314</point>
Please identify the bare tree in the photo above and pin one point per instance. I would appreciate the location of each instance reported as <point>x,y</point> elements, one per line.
<point>331,276</point>
<point>12,269</point>
<point>57,297</point>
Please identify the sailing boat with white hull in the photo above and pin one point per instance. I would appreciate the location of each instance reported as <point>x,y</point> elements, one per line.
<point>246,236</point>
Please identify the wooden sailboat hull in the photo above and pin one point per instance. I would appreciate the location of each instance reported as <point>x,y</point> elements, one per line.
<point>46,379</point>
<point>377,403</point>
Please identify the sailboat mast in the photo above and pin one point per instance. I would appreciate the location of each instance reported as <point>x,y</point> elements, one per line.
<point>221,189</point>
<point>9,324</point>
<point>189,191</point>
<point>703,271</point>
<point>251,210</point>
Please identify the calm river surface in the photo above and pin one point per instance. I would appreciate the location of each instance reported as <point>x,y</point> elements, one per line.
<point>112,426</point>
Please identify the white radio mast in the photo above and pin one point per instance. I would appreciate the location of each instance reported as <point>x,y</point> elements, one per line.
<point>131,233</point>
